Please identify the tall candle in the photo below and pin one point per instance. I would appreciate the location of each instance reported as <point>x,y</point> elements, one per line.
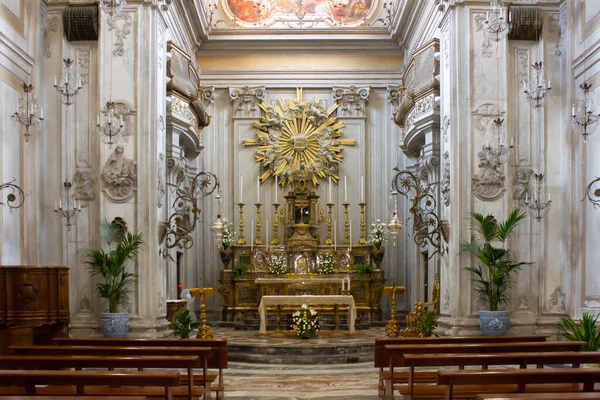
<point>258,190</point>
<point>348,277</point>
<point>362,189</point>
<point>241,188</point>
<point>345,189</point>
<point>276,187</point>
<point>329,193</point>
<point>267,238</point>
<point>334,236</point>
<point>252,238</point>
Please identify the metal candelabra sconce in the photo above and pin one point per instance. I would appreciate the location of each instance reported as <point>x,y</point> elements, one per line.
<point>186,208</point>
<point>496,26</point>
<point>69,86</point>
<point>112,7</point>
<point>498,151</point>
<point>539,89</point>
<point>584,115</point>
<point>111,123</point>
<point>15,198</point>
<point>539,204</point>
<point>68,207</point>
<point>26,111</point>
<point>427,227</point>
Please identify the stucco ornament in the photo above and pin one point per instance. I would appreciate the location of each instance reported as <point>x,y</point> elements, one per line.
<point>299,138</point>
<point>84,182</point>
<point>119,175</point>
<point>488,184</point>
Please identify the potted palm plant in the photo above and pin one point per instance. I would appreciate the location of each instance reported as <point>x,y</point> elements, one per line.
<point>586,331</point>
<point>111,267</point>
<point>492,275</point>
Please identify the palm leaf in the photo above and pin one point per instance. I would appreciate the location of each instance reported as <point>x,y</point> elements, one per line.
<point>505,228</point>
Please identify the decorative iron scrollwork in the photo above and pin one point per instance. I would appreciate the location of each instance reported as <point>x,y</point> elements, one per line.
<point>427,226</point>
<point>592,193</point>
<point>186,206</point>
<point>16,198</point>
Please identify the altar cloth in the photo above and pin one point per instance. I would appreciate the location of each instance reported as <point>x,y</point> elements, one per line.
<point>308,300</point>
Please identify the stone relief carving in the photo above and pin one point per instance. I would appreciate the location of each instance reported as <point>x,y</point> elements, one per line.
<point>488,184</point>
<point>445,128</point>
<point>178,170</point>
<point>523,69</point>
<point>522,183</point>
<point>120,176</point>
<point>245,100</point>
<point>207,93</point>
<point>83,65</point>
<point>557,300</point>
<point>352,101</point>
<point>446,48</point>
<point>486,45</point>
<point>121,24</point>
<point>556,24</point>
<point>445,185</point>
<point>428,167</point>
<point>50,26</point>
<point>128,114</point>
<point>84,182</point>
<point>484,114</point>
<point>162,189</point>
<point>393,96</point>
<point>85,305</point>
<point>446,306</point>
<point>422,106</point>
<point>523,303</point>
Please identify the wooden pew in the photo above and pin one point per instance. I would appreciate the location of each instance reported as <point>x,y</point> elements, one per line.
<point>71,398</point>
<point>217,359</point>
<point>201,352</point>
<point>396,352</point>
<point>92,383</point>
<point>540,396</point>
<point>471,383</point>
<point>382,358</point>
<point>44,362</point>
<point>412,361</point>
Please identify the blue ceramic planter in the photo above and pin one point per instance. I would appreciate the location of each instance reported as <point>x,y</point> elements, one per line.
<point>494,323</point>
<point>114,325</point>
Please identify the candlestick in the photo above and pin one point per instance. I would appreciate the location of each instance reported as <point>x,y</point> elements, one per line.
<point>257,240</point>
<point>258,190</point>
<point>276,218</point>
<point>346,224</point>
<point>328,239</point>
<point>345,189</point>
<point>241,240</point>
<point>241,188</point>
<point>363,238</point>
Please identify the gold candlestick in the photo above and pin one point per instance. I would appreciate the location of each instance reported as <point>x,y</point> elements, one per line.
<point>329,239</point>
<point>392,328</point>
<point>204,330</point>
<point>363,237</point>
<point>257,240</point>
<point>276,217</point>
<point>346,224</point>
<point>241,240</point>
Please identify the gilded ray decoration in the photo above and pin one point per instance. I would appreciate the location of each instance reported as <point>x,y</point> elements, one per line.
<point>299,142</point>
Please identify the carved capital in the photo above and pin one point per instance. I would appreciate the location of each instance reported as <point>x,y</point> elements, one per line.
<point>245,100</point>
<point>352,101</point>
<point>177,170</point>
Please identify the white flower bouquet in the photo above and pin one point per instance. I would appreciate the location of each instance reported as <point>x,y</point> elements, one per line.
<point>377,234</point>
<point>306,322</point>
<point>278,265</point>
<point>228,235</point>
<point>326,264</point>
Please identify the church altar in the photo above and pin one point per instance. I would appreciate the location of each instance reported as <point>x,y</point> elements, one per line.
<point>310,300</point>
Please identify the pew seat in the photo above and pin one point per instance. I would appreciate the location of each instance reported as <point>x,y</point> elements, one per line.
<point>540,396</point>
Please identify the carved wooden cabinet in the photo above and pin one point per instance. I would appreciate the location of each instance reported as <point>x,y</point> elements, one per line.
<point>34,304</point>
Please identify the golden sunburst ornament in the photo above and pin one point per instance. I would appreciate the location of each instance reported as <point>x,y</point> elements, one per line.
<point>299,141</point>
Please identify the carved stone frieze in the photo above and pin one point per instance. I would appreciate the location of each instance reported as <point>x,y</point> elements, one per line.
<point>445,184</point>
<point>523,67</point>
<point>352,100</point>
<point>246,99</point>
<point>119,176</point>
<point>83,65</point>
<point>161,189</point>
<point>84,182</point>
<point>557,300</point>
<point>50,25</point>
<point>522,184</point>
<point>121,24</point>
<point>446,306</point>
<point>488,183</point>
<point>422,106</point>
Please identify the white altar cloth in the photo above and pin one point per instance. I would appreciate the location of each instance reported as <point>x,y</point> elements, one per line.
<point>308,300</point>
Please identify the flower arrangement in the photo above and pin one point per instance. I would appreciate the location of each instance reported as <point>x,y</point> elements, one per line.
<point>277,266</point>
<point>306,322</point>
<point>326,264</point>
<point>228,235</point>
<point>377,234</point>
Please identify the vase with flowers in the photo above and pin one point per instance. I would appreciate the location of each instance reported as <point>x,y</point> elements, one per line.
<point>377,237</point>
<point>305,322</point>
<point>227,242</point>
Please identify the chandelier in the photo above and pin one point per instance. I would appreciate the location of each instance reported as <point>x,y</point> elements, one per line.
<point>584,116</point>
<point>26,111</point>
<point>539,88</point>
<point>112,7</point>
<point>497,150</point>
<point>496,27</point>
<point>67,206</point>
<point>111,123</point>
<point>69,86</point>
<point>539,204</point>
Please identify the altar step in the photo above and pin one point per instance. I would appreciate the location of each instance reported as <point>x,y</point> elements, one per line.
<point>325,322</point>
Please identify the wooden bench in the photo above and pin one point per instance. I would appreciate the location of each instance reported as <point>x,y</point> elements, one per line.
<point>539,396</point>
<point>412,361</point>
<point>43,362</point>
<point>382,358</point>
<point>92,383</point>
<point>472,383</point>
<point>71,398</point>
<point>396,353</point>
<point>217,359</point>
<point>201,352</point>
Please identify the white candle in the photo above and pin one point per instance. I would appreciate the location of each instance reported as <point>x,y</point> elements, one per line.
<point>41,113</point>
<point>526,198</point>
<point>549,197</point>
<point>362,189</point>
<point>276,187</point>
<point>329,193</point>
<point>549,85</point>
<point>343,283</point>
<point>334,236</point>
<point>55,81</point>
<point>98,120</point>
<point>348,277</point>
<point>55,206</point>
<point>512,141</point>
<point>267,238</point>
<point>573,109</point>
<point>345,189</point>
<point>241,188</point>
<point>258,190</point>
<point>252,237</point>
